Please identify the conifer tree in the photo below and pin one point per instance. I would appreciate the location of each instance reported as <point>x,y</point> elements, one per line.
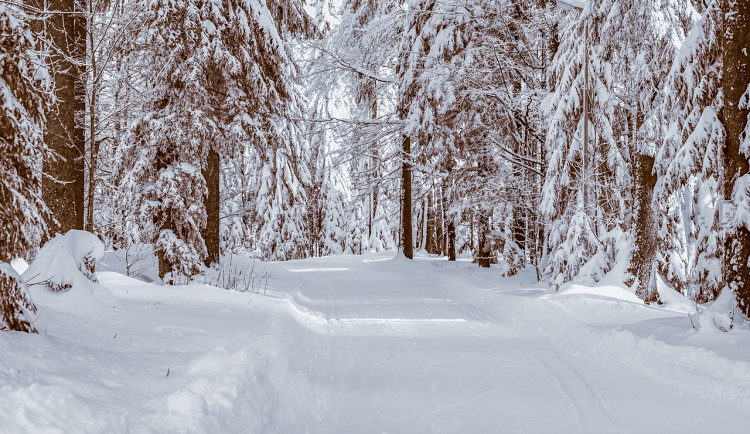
<point>219,79</point>
<point>586,174</point>
<point>24,96</point>
<point>736,81</point>
<point>640,98</point>
<point>688,186</point>
<point>64,27</point>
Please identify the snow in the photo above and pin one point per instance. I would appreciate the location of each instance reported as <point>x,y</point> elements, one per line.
<point>604,291</point>
<point>58,277</point>
<point>372,344</point>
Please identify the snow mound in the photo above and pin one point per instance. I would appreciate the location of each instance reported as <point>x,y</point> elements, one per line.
<point>719,314</point>
<point>605,291</point>
<point>62,276</point>
<point>673,300</point>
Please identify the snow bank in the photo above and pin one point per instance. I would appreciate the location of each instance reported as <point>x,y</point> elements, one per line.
<point>604,291</point>
<point>62,276</point>
<point>673,300</point>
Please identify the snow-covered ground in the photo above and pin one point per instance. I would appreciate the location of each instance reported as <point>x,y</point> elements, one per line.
<point>371,344</point>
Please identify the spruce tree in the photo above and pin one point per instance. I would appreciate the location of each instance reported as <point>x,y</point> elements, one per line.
<point>219,81</point>
<point>736,78</point>
<point>24,87</point>
<point>586,175</point>
<point>688,186</point>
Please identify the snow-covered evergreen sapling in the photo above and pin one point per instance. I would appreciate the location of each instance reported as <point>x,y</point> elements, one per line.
<point>24,84</point>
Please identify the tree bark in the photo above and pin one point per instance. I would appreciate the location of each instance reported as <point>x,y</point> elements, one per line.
<point>212,201</point>
<point>406,223</point>
<point>450,236</point>
<point>736,75</point>
<point>644,251</point>
<point>483,249</point>
<point>483,252</point>
<point>643,257</point>
<point>451,240</point>
<point>64,195</point>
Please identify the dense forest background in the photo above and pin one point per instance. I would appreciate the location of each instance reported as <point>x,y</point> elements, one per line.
<point>579,137</point>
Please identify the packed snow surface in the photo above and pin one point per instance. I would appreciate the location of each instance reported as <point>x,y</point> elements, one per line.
<point>372,344</point>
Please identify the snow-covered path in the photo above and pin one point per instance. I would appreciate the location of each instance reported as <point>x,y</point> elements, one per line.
<point>371,344</point>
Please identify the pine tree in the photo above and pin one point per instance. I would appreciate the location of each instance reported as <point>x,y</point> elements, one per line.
<point>24,87</point>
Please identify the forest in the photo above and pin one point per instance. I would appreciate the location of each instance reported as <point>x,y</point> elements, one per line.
<point>576,137</point>
<point>370,216</point>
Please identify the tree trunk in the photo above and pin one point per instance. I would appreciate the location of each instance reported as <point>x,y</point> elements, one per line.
<point>643,257</point>
<point>483,252</point>
<point>165,266</point>
<point>451,240</point>
<point>736,76</point>
<point>450,236</point>
<point>471,231</point>
<point>406,224</point>
<point>64,195</point>
<point>644,251</point>
<point>162,222</point>
<point>586,156</point>
<point>428,224</point>
<point>212,202</point>
<point>93,143</point>
<point>483,249</point>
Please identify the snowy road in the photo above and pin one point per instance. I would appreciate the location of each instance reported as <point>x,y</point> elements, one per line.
<point>372,345</point>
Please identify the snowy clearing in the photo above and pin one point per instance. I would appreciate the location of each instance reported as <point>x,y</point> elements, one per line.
<point>372,344</point>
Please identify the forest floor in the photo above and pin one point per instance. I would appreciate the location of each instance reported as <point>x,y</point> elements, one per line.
<point>372,344</point>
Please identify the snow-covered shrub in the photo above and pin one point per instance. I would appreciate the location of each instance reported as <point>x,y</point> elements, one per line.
<point>136,260</point>
<point>238,272</point>
<point>65,260</point>
<point>16,305</point>
<point>66,265</point>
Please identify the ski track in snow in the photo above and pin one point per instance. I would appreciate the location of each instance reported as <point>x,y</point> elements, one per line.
<point>370,345</point>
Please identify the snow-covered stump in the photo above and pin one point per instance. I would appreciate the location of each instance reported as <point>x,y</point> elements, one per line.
<point>16,305</point>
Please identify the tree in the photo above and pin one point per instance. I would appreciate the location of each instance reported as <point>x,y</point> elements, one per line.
<point>219,80</point>
<point>688,186</point>
<point>24,96</point>
<point>63,190</point>
<point>736,182</point>
<point>642,66</point>
<point>587,174</point>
